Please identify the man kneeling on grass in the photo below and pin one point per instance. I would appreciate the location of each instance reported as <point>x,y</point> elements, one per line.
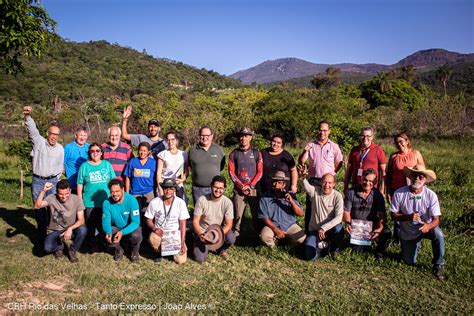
<point>121,221</point>
<point>214,208</point>
<point>417,209</point>
<point>166,218</point>
<point>66,219</point>
<point>277,210</point>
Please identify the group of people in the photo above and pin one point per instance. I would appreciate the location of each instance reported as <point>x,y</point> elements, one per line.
<point>114,199</point>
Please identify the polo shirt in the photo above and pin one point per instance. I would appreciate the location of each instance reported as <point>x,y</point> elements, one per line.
<point>118,158</point>
<point>323,158</point>
<point>74,157</point>
<point>364,209</point>
<point>374,158</point>
<point>205,164</point>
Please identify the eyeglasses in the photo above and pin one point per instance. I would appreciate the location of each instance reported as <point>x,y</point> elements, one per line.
<point>205,135</point>
<point>218,188</point>
<point>95,151</point>
<point>170,139</point>
<point>365,136</point>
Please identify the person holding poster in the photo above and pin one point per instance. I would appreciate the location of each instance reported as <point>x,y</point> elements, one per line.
<point>364,215</point>
<point>166,218</point>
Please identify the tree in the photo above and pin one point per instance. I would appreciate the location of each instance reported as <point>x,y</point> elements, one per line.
<point>443,74</point>
<point>329,79</point>
<point>26,30</point>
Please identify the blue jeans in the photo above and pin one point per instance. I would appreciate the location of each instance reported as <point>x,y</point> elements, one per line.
<point>53,239</point>
<point>200,191</point>
<point>200,249</point>
<point>41,215</point>
<point>410,248</point>
<point>334,236</point>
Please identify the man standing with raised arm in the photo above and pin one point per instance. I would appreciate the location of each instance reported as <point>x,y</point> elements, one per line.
<point>48,158</point>
<point>153,137</point>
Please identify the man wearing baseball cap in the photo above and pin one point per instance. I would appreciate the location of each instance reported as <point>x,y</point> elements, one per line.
<point>417,209</point>
<point>153,137</point>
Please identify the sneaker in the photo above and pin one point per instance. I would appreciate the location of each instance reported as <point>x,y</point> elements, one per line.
<point>72,256</point>
<point>236,233</point>
<point>224,254</point>
<point>135,257</point>
<point>379,257</point>
<point>438,271</point>
<point>118,254</point>
<point>59,253</point>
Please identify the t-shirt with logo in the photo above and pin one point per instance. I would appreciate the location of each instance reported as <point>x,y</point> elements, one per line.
<point>125,215</point>
<point>95,180</point>
<point>142,176</point>
<point>425,203</point>
<point>166,217</point>
<point>63,215</point>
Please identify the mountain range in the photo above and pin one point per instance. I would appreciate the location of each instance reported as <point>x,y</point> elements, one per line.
<point>289,68</point>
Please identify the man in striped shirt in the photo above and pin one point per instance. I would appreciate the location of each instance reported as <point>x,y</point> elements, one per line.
<point>117,152</point>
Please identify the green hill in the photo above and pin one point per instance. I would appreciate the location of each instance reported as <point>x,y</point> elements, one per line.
<point>73,71</point>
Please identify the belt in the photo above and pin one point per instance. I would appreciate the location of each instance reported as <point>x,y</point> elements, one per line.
<point>44,178</point>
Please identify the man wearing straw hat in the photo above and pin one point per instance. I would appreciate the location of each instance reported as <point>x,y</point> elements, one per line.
<point>211,210</point>
<point>278,209</point>
<point>417,209</point>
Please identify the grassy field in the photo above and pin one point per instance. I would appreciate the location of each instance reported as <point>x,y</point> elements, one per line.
<point>254,279</point>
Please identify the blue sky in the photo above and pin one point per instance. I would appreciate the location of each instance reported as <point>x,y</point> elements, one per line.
<point>231,35</point>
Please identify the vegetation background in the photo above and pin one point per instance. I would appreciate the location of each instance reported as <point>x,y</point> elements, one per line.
<point>91,83</point>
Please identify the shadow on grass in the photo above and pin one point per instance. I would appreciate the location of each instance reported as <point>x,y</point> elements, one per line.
<point>21,226</point>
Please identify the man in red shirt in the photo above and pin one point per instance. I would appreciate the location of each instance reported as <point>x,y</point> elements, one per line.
<point>364,156</point>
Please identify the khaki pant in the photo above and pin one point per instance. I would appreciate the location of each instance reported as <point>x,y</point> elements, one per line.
<point>155,243</point>
<point>240,201</point>
<point>294,233</point>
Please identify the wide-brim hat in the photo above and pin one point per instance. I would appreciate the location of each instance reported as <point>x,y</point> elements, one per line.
<point>245,131</point>
<point>430,175</point>
<point>214,237</point>
<point>279,176</point>
<point>168,183</point>
<point>154,122</point>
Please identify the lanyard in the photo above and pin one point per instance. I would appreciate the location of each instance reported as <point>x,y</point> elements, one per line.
<point>167,214</point>
<point>362,157</point>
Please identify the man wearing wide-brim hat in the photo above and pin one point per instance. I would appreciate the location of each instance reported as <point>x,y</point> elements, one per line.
<point>417,209</point>
<point>278,211</point>
<point>167,213</point>
<point>245,170</point>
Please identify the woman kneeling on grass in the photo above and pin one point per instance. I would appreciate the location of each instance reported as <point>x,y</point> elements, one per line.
<point>92,180</point>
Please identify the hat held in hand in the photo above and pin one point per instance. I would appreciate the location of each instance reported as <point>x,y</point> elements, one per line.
<point>214,237</point>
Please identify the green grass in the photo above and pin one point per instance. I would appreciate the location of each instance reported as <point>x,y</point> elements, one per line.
<point>254,279</point>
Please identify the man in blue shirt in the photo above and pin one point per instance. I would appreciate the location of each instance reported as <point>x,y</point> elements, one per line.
<point>75,154</point>
<point>278,209</point>
<point>121,221</point>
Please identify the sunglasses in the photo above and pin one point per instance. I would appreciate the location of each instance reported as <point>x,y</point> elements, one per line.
<point>95,151</point>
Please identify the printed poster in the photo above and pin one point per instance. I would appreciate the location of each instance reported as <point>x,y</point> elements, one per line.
<point>170,243</point>
<point>361,232</point>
